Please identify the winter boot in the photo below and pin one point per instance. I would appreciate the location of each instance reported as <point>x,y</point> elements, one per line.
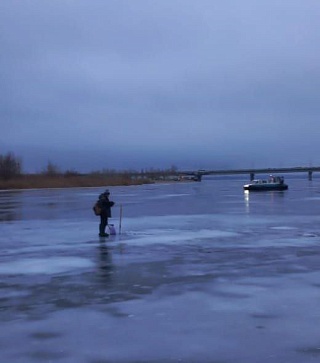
<point>102,233</point>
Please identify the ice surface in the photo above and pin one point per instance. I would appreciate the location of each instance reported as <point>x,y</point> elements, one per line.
<point>201,272</point>
<point>152,236</point>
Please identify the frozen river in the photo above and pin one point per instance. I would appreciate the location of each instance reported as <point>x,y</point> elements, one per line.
<point>202,272</point>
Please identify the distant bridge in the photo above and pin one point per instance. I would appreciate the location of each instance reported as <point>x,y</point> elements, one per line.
<point>299,169</point>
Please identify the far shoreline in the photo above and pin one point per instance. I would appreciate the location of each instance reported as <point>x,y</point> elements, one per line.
<point>62,182</point>
<point>38,182</point>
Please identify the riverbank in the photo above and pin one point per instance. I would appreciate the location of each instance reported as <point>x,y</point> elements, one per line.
<point>74,181</point>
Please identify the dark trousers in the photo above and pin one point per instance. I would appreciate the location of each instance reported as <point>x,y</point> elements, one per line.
<point>103,223</point>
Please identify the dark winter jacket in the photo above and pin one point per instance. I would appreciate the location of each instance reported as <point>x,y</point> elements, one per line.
<point>105,204</point>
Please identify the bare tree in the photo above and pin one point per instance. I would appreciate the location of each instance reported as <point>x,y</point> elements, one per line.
<point>51,169</point>
<point>10,166</point>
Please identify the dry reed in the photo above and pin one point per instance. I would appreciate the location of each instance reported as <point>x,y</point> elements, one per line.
<point>39,181</point>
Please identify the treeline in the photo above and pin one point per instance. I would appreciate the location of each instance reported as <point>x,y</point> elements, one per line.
<point>51,176</point>
<point>10,166</point>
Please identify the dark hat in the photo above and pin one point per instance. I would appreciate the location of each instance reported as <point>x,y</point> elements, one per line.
<point>107,191</point>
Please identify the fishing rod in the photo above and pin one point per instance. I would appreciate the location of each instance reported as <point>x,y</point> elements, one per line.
<point>120,221</point>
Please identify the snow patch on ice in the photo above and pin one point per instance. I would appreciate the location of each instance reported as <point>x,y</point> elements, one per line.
<point>44,265</point>
<point>283,228</point>
<point>152,236</point>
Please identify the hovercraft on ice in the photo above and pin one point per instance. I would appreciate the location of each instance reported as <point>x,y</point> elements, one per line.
<point>273,183</point>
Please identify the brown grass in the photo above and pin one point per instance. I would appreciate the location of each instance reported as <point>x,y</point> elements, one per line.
<point>74,181</point>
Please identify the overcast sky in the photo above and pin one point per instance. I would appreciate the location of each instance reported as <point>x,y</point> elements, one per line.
<point>93,84</point>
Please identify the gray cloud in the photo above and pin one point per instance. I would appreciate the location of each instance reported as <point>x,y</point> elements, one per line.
<point>154,83</point>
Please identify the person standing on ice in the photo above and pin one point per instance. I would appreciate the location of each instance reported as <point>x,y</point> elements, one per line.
<point>105,206</point>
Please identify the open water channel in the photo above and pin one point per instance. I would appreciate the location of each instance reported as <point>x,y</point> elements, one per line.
<point>201,272</point>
